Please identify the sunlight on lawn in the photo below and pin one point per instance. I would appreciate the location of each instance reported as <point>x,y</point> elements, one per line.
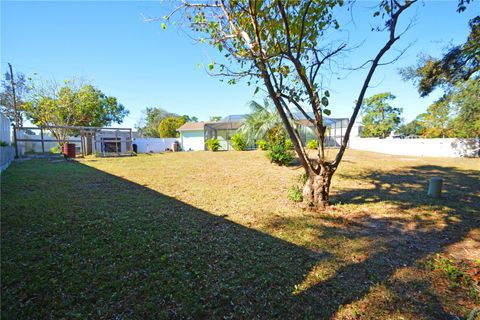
<point>213,234</point>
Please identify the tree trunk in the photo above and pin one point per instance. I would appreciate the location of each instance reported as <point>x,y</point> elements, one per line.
<point>317,188</point>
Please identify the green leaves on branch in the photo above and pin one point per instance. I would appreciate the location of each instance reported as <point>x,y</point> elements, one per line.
<point>325,101</point>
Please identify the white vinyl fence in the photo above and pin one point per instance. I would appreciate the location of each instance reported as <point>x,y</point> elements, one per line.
<point>449,147</point>
<point>146,145</point>
<point>7,153</point>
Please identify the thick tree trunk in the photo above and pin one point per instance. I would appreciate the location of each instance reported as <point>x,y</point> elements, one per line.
<point>317,188</point>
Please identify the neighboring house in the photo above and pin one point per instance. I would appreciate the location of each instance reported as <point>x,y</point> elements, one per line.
<point>193,135</point>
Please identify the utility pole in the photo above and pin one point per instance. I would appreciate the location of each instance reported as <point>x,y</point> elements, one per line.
<point>15,114</point>
<point>14,96</point>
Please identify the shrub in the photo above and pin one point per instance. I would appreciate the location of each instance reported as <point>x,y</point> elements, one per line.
<point>312,144</point>
<point>280,154</point>
<point>213,144</point>
<point>262,144</point>
<point>295,190</point>
<point>295,193</point>
<point>238,142</point>
<point>55,149</point>
<point>167,128</point>
<point>3,144</point>
<point>289,144</point>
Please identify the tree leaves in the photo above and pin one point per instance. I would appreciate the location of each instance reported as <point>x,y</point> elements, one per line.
<point>325,101</point>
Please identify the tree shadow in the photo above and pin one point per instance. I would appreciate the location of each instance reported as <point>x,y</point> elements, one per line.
<point>401,241</point>
<point>408,188</point>
<point>94,245</point>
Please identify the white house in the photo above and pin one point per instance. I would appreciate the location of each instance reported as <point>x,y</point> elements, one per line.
<point>192,136</point>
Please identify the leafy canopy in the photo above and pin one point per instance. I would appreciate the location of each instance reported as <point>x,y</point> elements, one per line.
<point>149,124</point>
<point>73,105</point>
<point>168,127</point>
<point>380,118</point>
<point>459,64</point>
<point>466,106</point>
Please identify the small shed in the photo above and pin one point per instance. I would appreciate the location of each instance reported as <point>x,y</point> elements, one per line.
<point>192,136</point>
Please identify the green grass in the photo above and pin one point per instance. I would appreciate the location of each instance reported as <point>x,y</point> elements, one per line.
<point>213,235</point>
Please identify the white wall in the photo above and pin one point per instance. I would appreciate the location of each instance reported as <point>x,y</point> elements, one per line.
<point>192,140</point>
<point>6,153</point>
<point>145,145</point>
<point>5,129</point>
<point>451,147</point>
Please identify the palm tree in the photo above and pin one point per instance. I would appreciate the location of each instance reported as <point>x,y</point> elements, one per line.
<point>260,122</point>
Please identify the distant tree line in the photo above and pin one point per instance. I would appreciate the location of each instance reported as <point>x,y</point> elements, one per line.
<point>159,123</point>
<point>455,114</point>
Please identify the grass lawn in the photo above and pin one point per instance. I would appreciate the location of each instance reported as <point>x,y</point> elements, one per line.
<point>212,235</point>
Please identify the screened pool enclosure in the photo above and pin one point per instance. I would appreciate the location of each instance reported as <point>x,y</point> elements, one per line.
<point>228,126</point>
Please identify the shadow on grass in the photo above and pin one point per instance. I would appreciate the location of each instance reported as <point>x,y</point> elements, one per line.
<point>78,242</point>
<point>408,188</point>
<point>403,241</point>
<point>396,241</point>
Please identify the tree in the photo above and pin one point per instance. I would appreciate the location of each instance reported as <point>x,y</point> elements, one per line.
<point>189,118</point>
<point>148,125</point>
<point>168,127</point>
<point>458,64</point>
<point>51,105</point>
<point>457,73</point>
<point>215,118</point>
<point>413,128</point>
<point>436,120</point>
<point>283,46</point>
<point>466,107</point>
<point>6,96</point>
<point>380,118</point>
<point>260,123</point>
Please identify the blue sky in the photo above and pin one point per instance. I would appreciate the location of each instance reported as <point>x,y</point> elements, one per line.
<point>109,44</point>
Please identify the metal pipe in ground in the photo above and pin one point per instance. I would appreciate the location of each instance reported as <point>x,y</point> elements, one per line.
<point>435,187</point>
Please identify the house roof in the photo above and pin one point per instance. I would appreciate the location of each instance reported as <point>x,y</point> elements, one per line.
<point>192,126</point>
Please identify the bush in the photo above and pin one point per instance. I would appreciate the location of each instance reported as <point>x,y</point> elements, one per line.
<point>295,193</point>
<point>238,142</point>
<point>262,144</point>
<point>312,144</point>
<point>167,128</point>
<point>54,149</point>
<point>280,154</point>
<point>289,144</point>
<point>3,144</point>
<point>213,144</point>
